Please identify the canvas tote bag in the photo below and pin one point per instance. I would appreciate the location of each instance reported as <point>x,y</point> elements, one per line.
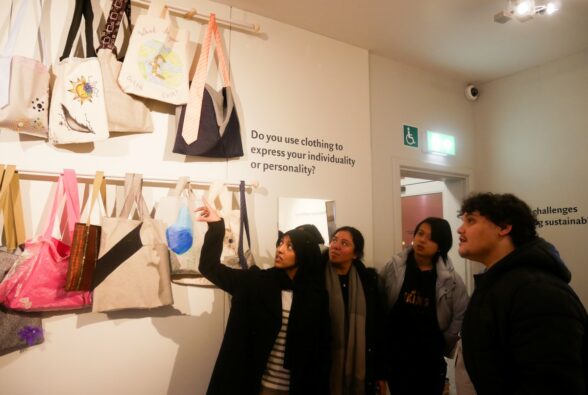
<point>24,86</point>
<point>18,330</point>
<point>78,109</point>
<point>36,282</point>
<point>119,104</point>
<point>132,271</point>
<point>156,65</point>
<point>208,125</point>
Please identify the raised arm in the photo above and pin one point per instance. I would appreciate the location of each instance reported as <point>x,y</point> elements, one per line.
<point>210,265</point>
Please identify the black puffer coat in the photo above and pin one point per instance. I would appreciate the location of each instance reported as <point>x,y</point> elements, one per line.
<point>524,330</point>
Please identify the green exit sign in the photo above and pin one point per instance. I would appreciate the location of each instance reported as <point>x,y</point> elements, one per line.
<point>439,143</point>
<point>411,136</point>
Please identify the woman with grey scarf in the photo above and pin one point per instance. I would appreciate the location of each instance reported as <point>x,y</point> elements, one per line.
<point>354,311</point>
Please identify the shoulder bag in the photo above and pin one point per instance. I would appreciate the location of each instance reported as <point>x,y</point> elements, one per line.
<point>132,271</point>
<point>208,125</point>
<point>119,104</point>
<point>18,330</point>
<point>156,64</point>
<point>36,282</point>
<point>24,90</point>
<point>78,109</point>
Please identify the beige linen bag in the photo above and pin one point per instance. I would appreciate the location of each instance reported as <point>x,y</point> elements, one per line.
<point>24,83</point>
<point>157,65</point>
<point>119,105</point>
<point>132,271</point>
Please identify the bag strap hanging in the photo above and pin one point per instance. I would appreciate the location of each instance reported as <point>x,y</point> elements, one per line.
<point>244,226</point>
<point>67,189</point>
<point>117,11</point>
<point>98,187</point>
<point>83,8</point>
<point>194,106</point>
<point>134,196</point>
<point>11,206</point>
<point>14,29</point>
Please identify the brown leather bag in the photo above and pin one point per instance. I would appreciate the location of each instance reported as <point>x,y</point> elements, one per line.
<point>86,245</point>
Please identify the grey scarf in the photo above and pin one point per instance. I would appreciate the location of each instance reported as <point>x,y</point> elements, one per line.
<point>348,339</point>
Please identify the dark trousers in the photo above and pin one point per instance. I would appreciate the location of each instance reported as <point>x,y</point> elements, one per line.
<point>417,380</point>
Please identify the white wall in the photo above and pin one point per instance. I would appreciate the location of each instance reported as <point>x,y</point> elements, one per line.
<point>531,141</point>
<point>403,95</point>
<point>289,83</point>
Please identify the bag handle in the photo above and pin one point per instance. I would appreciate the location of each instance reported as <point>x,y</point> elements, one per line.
<point>117,11</point>
<point>11,206</point>
<point>83,8</point>
<point>67,189</point>
<point>244,225</point>
<point>133,184</point>
<point>14,29</point>
<point>98,187</point>
<point>196,95</point>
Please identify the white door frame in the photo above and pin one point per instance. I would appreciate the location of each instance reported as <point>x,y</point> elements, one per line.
<point>430,171</point>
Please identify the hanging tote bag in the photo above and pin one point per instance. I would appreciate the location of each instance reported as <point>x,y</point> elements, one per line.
<point>156,65</point>
<point>36,282</point>
<point>11,207</point>
<point>246,259</point>
<point>78,109</point>
<point>86,244</point>
<point>18,330</point>
<point>133,269</point>
<point>119,104</point>
<point>208,125</point>
<point>184,234</point>
<point>236,221</point>
<point>24,90</point>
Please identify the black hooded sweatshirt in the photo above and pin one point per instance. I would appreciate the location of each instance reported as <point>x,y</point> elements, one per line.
<point>524,331</point>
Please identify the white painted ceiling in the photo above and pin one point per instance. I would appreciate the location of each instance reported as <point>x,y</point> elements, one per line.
<point>455,37</point>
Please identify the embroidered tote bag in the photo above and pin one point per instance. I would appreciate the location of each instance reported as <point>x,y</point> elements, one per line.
<point>86,244</point>
<point>156,64</point>
<point>184,234</point>
<point>208,125</point>
<point>24,86</point>
<point>36,282</point>
<point>78,109</point>
<point>119,104</point>
<point>132,271</point>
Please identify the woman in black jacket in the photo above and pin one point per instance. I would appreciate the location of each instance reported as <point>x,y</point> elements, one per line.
<point>277,335</point>
<point>354,305</point>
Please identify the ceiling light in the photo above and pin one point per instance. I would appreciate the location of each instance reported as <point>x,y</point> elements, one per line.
<point>523,10</point>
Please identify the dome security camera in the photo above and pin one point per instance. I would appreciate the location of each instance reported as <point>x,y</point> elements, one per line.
<point>471,92</point>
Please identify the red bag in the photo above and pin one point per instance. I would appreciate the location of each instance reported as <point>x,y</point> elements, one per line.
<point>36,281</point>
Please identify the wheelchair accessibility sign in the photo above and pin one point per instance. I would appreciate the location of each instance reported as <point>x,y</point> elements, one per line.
<point>411,136</point>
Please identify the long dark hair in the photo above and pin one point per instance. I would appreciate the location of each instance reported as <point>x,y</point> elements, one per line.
<point>308,258</point>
